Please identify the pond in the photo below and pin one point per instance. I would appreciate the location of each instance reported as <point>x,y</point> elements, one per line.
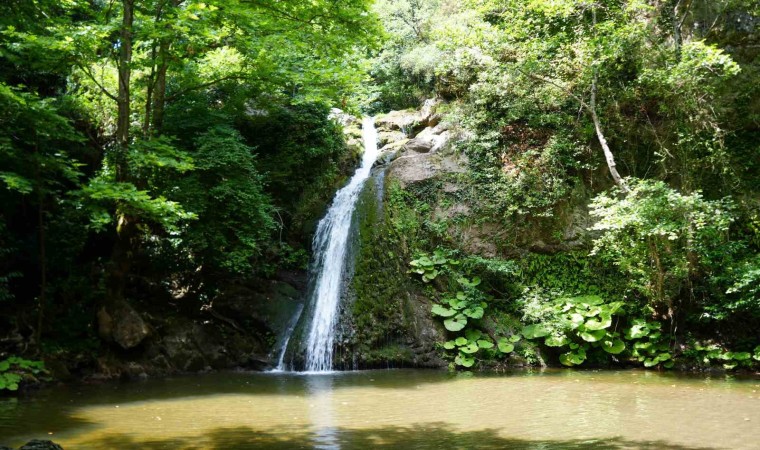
<point>395,409</point>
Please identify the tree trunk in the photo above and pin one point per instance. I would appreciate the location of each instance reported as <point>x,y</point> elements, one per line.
<point>678,25</point>
<point>159,96</point>
<point>608,155</point>
<point>123,99</point>
<point>121,256</point>
<point>42,300</point>
<point>149,97</point>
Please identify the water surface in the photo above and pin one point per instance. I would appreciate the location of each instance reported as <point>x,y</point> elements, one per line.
<point>396,409</point>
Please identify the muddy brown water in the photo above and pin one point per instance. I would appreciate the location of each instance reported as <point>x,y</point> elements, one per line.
<point>396,409</point>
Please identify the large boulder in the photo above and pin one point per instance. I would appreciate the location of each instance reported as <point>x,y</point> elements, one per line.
<point>410,121</point>
<point>38,444</point>
<point>416,167</point>
<point>389,137</point>
<point>419,145</point>
<point>343,118</point>
<point>429,141</point>
<point>122,324</point>
<point>400,121</point>
<point>429,112</point>
<point>129,327</point>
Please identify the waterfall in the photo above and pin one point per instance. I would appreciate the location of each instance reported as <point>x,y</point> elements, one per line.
<point>330,252</point>
<point>285,340</point>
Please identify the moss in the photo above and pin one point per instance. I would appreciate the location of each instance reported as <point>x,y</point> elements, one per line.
<point>313,202</point>
<point>574,273</point>
<point>380,284</point>
<point>387,299</point>
<point>392,355</point>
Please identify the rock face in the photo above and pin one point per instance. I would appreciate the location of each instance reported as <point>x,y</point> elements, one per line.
<point>421,187</point>
<point>270,303</point>
<point>416,145</point>
<point>122,324</point>
<point>419,145</point>
<point>386,321</point>
<point>343,118</point>
<point>425,333</point>
<point>410,122</point>
<point>237,330</point>
<point>389,137</point>
<point>421,160</point>
<point>129,328</point>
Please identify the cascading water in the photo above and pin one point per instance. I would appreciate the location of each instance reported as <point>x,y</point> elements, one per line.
<point>330,252</point>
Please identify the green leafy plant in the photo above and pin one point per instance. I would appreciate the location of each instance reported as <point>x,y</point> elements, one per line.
<point>580,325</point>
<point>457,310</point>
<point>430,266</point>
<point>467,346</point>
<point>660,237</point>
<point>15,369</point>
<point>711,354</point>
<point>473,341</point>
<point>507,344</point>
<point>650,346</point>
<point>461,311</point>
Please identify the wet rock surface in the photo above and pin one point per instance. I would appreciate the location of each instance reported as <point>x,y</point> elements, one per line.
<point>38,444</point>
<point>234,331</point>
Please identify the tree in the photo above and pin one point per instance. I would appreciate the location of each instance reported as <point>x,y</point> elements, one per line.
<point>661,238</point>
<point>162,50</point>
<point>36,170</point>
<point>104,80</point>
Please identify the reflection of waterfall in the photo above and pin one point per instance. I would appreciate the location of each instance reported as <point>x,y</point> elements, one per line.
<point>329,264</point>
<point>322,412</point>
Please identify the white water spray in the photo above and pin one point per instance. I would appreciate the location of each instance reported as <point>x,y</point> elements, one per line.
<point>330,243</point>
<point>330,253</point>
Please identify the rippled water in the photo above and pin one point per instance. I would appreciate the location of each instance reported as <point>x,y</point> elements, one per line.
<point>401,409</point>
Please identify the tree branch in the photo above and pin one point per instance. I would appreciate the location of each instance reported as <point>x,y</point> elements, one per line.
<point>92,77</point>
<point>557,85</point>
<point>182,92</point>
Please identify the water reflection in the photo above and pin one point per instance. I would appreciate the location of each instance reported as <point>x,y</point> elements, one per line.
<point>395,409</point>
<point>321,412</point>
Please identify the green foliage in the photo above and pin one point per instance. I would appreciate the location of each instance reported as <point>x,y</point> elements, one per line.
<point>650,346</point>
<point>101,195</point>
<point>521,171</point>
<point>679,114</point>
<point>571,273</point>
<point>395,87</point>
<point>660,237</point>
<point>171,167</point>
<point>462,311</point>
<point>14,370</point>
<point>429,267</point>
<point>467,346</point>
<point>225,191</point>
<point>297,139</point>
<point>743,293</point>
<point>576,325</point>
<point>710,354</point>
